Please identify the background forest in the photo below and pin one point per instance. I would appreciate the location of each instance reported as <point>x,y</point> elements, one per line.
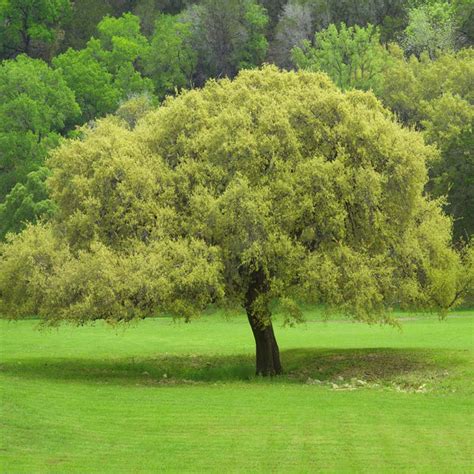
<point>66,63</point>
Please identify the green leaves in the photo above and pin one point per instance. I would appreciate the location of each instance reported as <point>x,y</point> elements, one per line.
<point>171,60</point>
<point>431,28</point>
<point>31,26</point>
<point>104,72</point>
<point>277,176</point>
<point>436,97</point>
<point>36,107</point>
<point>352,56</point>
<point>26,203</point>
<point>179,277</point>
<point>228,35</point>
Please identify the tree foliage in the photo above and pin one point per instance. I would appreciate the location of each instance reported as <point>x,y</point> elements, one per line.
<point>32,27</point>
<point>352,56</point>
<point>26,202</point>
<point>274,186</point>
<point>464,20</point>
<point>437,97</point>
<point>106,71</point>
<point>171,61</point>
<point>431,28</point>
<point>36,107</point>
<point>228,35</point>
<point>388,15</point>
<point>296,25</point>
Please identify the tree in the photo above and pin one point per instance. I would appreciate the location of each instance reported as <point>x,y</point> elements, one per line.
<point>352,56</point>
<point>171,60</point>
<point>228,35</point>
<point>26,202</point>
<point>92,84</point>
<point>150,10</point>
<point>388,15</point>
<point>120,47</point>
<point>273,187</point>
<point>274,9</point>
<point>106,71</point>
<point>431,28</point>
<point>464,21</point>
<point>31,26</point>
<point>37,106</point>
<point>294,27</point>
<point>436,97</point>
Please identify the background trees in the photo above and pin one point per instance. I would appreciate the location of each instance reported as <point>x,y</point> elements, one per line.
<point>351,56</point>
<point>436,97</point>
<point>272,187</point>
<point>171,60</point>
<point>36,107</point>
<point>33,27</point>
<point>107,69</point>
<point>26,202</point>
<point>431,28</point>
<point>296,25</point>
<point>228,35</point>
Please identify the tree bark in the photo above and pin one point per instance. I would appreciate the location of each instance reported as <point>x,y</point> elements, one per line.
<point>267,351</point>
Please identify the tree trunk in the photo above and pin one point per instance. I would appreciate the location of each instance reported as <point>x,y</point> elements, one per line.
<point>267,352</point>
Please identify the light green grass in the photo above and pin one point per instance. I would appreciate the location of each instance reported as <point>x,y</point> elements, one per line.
<point>175,397</point>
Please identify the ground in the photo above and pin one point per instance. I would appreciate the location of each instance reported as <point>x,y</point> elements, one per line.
<point>174,397</point>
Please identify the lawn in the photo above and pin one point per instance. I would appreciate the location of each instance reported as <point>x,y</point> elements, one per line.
<point>168,396</point>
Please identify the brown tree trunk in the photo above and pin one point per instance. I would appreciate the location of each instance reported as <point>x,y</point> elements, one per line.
<point>267,351</point>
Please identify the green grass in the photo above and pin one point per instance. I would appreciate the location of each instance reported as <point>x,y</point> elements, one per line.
<point>175,397</point>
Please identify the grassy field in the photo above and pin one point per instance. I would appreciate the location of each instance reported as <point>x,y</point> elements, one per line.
<point>175,397</point>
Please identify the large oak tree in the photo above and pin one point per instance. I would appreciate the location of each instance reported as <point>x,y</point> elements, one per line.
<point>274,187</point>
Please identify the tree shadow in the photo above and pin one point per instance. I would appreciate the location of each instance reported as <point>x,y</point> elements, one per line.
<point>301,365</point>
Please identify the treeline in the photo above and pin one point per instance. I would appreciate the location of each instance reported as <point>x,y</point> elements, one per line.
<point>66,63</point>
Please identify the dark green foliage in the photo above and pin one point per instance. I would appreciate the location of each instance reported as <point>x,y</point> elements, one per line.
<point>229,35</point>
<point>453,175</point>
<point>26,203</point>
<point>105,72</point>
<point>301,19</point>
<point>390,15</point>
<point>437,97</point>
<point>36,107</point>
<point>274,9</point>
<point>33,27</point>
<point>149,10</point>
<point>171,60</point>
<point>464,14</point>
<point>83,21</point>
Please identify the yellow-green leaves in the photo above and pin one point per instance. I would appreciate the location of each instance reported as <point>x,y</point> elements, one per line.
<point>276,177</point>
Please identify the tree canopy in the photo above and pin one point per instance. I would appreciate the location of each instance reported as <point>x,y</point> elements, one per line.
<point>228,35</point>
<point>105,71</point>
<point>31,26</point>
<point>274,187</point>
<point>437,98</point>
<point>171,60</point>
<point>352,56</point>
<point>37,105</point>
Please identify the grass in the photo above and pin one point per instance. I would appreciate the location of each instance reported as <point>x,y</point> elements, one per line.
<point>175,397</point>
